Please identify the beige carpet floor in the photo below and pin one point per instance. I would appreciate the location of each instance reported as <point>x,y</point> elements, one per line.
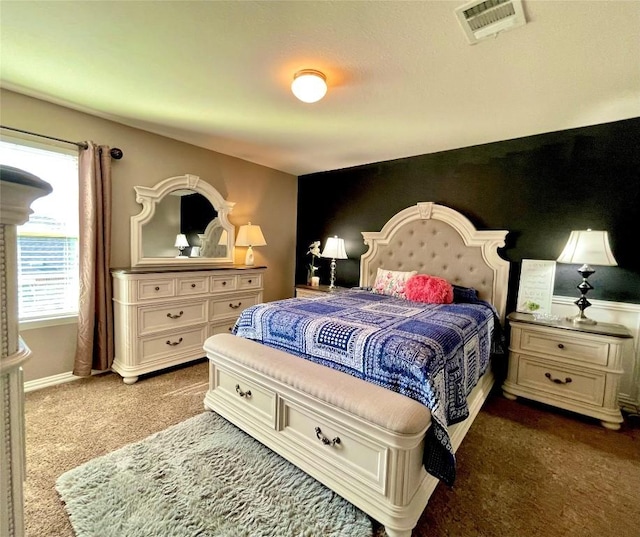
<point>523,470</point>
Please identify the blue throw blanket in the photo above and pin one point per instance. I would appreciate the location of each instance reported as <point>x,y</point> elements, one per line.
<point>432,353</point>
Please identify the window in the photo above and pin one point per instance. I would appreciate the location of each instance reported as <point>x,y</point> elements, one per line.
<point>48,278</point>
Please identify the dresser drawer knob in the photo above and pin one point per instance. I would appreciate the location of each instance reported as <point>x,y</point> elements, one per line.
<point>250,281</point>
<point>174,343</point>
<point>172,316</point>
<point>325,440</point>
<point>224,283</point>
<point>193,285</point>
<point>235,306</point>
<point>560,346</point>
<point>567,380</point>
<point>157,288</point>
<point>246,394</point>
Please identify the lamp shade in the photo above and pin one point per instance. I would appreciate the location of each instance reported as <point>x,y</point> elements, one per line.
<point>309,85</point>
<point>181,241</point>
<point>250,235</point>
<point>588,247</point>
<point>334,248</point>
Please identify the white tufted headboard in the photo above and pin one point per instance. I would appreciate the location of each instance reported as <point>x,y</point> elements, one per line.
<point>436,240</point>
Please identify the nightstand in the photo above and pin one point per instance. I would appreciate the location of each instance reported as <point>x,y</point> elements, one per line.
<point>315,291</point>
<point>576,368</point>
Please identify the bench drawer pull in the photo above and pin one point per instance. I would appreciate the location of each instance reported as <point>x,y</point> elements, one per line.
<point>325,440</point>
<point>246,394</point>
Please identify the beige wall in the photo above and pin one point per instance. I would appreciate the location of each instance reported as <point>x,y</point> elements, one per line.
<point>265,196</point>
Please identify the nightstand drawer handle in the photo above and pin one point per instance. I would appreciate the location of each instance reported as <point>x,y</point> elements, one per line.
<point>235,306</point>
<point>241,393</point>
<point>174,343</point>
<point>560,346</point>
<point>567,380</point>
<point>172,316</point>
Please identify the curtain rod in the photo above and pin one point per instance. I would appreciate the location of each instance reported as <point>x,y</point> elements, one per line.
<point>115,153</point>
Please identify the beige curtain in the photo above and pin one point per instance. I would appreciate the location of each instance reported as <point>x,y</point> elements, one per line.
<point>94,348</point>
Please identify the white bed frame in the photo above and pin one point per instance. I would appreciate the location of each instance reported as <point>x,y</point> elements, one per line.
<point>360,440</point>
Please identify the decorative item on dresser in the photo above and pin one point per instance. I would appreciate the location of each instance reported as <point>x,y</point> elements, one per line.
<point>574,367</point>
<point>314,291</point>
<point>18,189</point>
<point>163,316</point>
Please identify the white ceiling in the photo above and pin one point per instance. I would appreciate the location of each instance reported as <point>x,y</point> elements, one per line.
<point>402,78</point>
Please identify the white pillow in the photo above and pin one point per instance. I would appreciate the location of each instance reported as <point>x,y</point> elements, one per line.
<point>392,282</point>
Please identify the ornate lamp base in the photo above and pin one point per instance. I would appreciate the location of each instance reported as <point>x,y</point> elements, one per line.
<point>584,287</point>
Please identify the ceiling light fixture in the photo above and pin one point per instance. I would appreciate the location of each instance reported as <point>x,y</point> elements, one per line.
<point>309,85</point>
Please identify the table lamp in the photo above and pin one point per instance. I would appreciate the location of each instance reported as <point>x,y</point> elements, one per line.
<point>334,249</point>
<point>586,247</point>
<point>250,235</point>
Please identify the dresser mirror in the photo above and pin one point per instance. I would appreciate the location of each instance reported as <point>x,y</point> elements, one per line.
<point>183,221</point>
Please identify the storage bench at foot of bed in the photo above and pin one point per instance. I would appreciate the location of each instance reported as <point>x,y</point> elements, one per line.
<point>362,441</point>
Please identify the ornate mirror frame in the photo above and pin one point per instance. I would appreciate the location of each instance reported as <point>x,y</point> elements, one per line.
<point>149,197</point>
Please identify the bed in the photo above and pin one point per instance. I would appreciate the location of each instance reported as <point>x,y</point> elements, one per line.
<point>367,443</point>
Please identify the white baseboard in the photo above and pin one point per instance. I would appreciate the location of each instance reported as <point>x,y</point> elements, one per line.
<point>54,380</point>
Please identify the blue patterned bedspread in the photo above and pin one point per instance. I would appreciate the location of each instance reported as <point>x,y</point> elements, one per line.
<point>432,353</point>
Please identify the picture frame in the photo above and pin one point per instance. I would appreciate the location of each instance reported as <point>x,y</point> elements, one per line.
<point>535,291</point>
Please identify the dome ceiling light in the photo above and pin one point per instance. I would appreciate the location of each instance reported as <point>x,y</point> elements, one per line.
<point>309,85</point>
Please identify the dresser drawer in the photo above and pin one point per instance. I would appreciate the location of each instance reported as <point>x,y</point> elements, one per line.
<point>193,286</point>
<point>245,394</point>
<point>222,328</point>
<point>348,452</point>
<point>177,314</point>
<point>223,283</point>
<point>188,340</point>
<point>571,346</point>
<point>249,281</point>
<point>154,289</point>
<point>564,381</point>
<point>231,306</point>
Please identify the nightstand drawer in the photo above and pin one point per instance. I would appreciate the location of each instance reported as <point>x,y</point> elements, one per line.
<point>571,346</point>
<point>567,382</point>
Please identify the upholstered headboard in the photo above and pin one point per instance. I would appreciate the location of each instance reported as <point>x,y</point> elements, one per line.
<point>436,240</point>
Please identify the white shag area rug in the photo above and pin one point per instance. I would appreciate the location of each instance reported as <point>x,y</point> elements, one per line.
<point>202,478</point>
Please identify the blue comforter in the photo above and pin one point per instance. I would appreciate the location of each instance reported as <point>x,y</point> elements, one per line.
<point>432,353</point>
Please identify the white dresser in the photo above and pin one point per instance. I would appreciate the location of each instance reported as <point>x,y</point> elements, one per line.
<point>163,317</point>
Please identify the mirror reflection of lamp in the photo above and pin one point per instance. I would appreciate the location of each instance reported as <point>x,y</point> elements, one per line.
<point>250,236</point>
<point>181,243</point>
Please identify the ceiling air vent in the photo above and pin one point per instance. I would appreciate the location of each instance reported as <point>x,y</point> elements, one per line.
<point>482,19</point>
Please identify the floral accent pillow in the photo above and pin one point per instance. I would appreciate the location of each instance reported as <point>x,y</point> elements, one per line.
<point>392,282</point>
<point>429,289</point>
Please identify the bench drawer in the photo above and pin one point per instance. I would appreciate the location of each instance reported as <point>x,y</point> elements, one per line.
<point>352,454</point>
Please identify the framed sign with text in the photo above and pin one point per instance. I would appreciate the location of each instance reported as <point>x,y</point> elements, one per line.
<point>536,286</point>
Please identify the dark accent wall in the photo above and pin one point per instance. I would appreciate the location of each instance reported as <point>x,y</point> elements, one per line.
<point>538,187</point>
